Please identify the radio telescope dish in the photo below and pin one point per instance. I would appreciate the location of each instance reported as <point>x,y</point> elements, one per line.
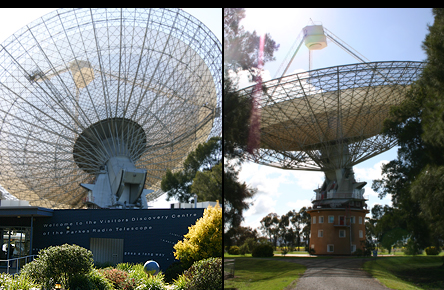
<point>330,119</point>
<point>96,104</point>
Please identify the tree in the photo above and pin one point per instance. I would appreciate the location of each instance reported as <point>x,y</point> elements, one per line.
<point>413,179</point>
<point>241,47</point>
<point>297,224</point>
<point>236,195</point>
<point>240,53</point>
<point>198,167</point>
<point>203,240</point>
<point>242,234</point>
<point>305,219</point>
<point>286,233</point>
<point>270,226</point>
<point>208,184</point>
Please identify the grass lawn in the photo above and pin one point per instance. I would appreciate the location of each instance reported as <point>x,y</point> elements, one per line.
<point>408,272</point>
<point>255,273</point>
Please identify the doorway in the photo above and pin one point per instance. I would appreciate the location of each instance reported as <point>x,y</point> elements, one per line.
<point>107,251</point>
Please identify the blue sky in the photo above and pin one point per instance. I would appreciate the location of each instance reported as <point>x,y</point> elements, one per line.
<point>12,19</point>
<point>379,35</point>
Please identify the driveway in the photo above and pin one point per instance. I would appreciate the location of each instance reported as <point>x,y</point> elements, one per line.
<point>336,273</point>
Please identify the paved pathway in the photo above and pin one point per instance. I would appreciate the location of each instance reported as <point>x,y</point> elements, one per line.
<point>335,273</point>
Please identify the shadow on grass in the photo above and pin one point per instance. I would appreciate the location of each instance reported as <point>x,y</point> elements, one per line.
<point>263,274</point>
<point>422,271</point>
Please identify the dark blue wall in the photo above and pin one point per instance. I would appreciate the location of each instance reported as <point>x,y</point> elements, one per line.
<point>148,234</point>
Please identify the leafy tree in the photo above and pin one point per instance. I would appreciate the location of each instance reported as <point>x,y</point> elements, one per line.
<point>236,195</point>
<point>297,223</point>
<point>413,179</point>
<point>270,226</point>
<point>208,184</point>
<point>427,188</point>
<point>240,53</point>
<point>203,240</point>
<point>236,119</point>
<point>305,219</point>
<point>241,47</point>
<point>285,233</point>
<point>242,234</point>
<point>198,167</point>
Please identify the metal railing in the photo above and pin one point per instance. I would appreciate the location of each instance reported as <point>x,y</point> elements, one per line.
<point>333,194</point>
<point>17,263</point>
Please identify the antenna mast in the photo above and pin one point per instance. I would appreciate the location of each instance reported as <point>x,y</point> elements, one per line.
<point>315,39</point>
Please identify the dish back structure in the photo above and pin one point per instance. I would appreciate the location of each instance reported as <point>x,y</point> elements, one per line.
<point>330,119</point>
<point>108,99</point>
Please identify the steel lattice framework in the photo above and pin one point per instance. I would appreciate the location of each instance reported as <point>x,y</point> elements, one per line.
<point>81,86</point>
<point>330,118</point>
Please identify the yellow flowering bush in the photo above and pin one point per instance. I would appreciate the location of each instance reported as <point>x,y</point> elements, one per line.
<point>204,239</point>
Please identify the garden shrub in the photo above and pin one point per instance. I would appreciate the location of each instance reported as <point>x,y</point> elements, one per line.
<point>156,282</point>
<point>203,240</point>
<point>4,280</point>
<point>432,251</point>
<point>252,243</point>
<point>98,281</point>
<point>244,249</point>
<point>204,274</point>
<point>263,250</point>
<point>137,274</point>
<point>17,282</point>
<point>119,278</point>
<point>412,248</point>
<point>59,264</point>
<point>181,283</point>
<point>233,250</point>
<point>80,282</point>
<point>125,267</point>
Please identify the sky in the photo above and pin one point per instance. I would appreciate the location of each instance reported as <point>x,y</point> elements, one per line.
<point>12,19</point>
<point>378,34</point>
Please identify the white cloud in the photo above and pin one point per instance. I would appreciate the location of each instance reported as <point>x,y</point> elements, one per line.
<point>262,205</point>
<point>298,204</point>
<point>265,178</point>
<point>370,174</point>
<point>308,179</point>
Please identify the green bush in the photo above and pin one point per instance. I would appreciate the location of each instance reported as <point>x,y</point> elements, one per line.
<point>4,280</point>
<point>252,243</point>
<point>412,248</point>
<point>181,283</point>
<point>137,274</point>
<point>125,266</point>
<point>19,282</point>
<point>98,281</point>
<point>80,282</point>
<point>263,250</point>
<point>156,282</point>
<point>233,250</point>
<point>59,264</point>
<point>244,249</point>
<point>432,251</point>
<point>204,274</point>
